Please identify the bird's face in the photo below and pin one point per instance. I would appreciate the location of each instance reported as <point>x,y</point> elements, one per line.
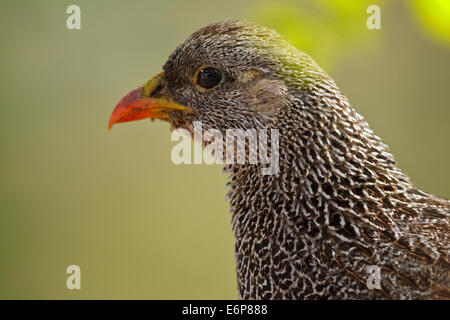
<point>228,75</point>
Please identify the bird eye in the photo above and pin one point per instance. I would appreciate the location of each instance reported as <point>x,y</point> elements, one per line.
<point>208,77</point>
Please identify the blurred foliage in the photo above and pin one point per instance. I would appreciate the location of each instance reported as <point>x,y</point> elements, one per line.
<point>327,29</point>
<point>324,29</point>
<point>434,17</point>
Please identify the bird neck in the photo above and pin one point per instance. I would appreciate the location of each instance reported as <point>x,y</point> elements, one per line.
<point>329,160</point>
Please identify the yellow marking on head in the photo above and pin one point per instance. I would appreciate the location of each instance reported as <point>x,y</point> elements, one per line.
<point>151,85</point>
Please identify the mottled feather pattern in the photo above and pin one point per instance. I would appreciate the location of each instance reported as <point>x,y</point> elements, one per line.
<point>339,205</point>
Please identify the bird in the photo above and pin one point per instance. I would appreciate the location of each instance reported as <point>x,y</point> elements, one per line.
<point>338,206</point>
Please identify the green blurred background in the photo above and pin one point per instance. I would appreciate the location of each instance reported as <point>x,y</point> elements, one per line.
<point>112,202</point>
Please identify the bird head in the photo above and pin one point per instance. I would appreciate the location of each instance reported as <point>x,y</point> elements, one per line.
<point>228,75</point>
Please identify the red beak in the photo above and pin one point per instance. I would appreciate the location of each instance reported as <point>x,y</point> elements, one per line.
<point>138,105</point>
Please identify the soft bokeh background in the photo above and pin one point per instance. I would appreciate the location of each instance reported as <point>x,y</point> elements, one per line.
<point>112,202</point>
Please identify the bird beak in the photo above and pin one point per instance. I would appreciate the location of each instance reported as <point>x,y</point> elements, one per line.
<point>138,104</point>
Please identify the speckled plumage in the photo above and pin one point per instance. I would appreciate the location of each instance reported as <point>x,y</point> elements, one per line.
<point>339,202</point>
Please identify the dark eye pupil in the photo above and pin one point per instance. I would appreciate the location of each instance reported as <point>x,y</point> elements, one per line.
<point>209,77</point>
